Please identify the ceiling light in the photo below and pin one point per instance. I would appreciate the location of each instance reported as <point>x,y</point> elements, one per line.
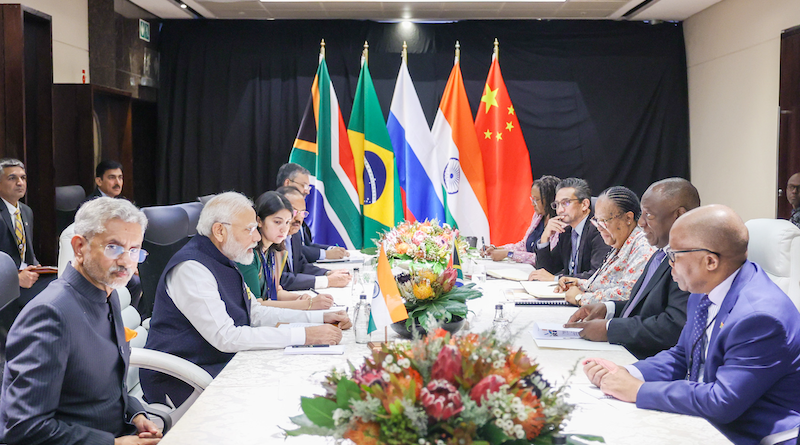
<point>183,6</point>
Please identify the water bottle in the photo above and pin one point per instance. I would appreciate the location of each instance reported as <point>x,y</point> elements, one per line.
<point>361,321</point>
<point>357,288</point>
<point>500,324</point>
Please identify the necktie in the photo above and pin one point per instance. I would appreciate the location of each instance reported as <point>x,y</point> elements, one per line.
<point>573,259</point>
<point>795,219</point>
<point>658,257</point>
<point>698,337</point>
<point>19,231</point>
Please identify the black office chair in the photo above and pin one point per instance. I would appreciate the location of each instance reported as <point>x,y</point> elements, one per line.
<point>204,199</point>
<point>193,210</point>
<point>68,199</point>
<point>167,231</point>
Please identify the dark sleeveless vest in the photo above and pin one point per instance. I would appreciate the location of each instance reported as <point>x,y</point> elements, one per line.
<point>171,332</point>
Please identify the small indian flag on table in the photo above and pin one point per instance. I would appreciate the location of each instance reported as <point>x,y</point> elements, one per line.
<point>387,306</point>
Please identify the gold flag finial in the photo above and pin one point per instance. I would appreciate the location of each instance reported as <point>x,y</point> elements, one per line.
<point>405,52</point>
<point>365,54</point>
<point>496,48</point>
<point>458,52</point>
<point>322,49</point>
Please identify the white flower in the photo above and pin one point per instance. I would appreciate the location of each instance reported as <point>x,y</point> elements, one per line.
<point>497,413</point>
<point>498,364</point>
<point>404,362</point>
<point>421,441</point>
<point>389,359</point>
<point>385,376</point>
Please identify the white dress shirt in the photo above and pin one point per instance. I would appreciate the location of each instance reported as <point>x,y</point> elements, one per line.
<point>578,229</point>
<point>320,282</point>
<point>194,290</point>
<point>717,296</point>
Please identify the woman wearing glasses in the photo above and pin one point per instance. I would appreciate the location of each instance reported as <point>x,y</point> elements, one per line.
<point>543,193</point>
<point>274,214</point>
<point>616,214</point>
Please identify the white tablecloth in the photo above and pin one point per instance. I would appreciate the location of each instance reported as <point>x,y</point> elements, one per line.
<point>254,396</point>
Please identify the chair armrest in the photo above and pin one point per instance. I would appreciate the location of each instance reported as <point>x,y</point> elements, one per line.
<point>171,365</point>
<point>780,437</point>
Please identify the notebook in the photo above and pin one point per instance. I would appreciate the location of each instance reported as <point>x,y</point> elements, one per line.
<point>543,290</point>
<point>509,274</point>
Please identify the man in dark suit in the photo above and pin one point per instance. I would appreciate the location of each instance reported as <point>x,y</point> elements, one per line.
<point>737,362</point>
<point>299,273</point>
<point>580,250</point>
<point>299,178</point>
<point>652,319</point>
<point>64,382</point>
<point>108,180</point>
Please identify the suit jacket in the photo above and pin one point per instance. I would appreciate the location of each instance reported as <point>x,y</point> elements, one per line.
<point>592,251</point>
<point>8,238</point>
<point>656,321</point>
<point>64,382</point>
<point>95,194</point>
<point>303,274</point>
<point>311,249</point>
<point>751,376</point>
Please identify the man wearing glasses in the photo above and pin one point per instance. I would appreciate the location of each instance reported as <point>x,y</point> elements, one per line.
<point>299,273</point>
<point>793,195</point>
<point>580,249</point>
<point>737,362</point>
<point>67,353</point>
<point>298,177</point>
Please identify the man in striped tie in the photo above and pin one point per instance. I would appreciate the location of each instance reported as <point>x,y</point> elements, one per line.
<point>737,362</point>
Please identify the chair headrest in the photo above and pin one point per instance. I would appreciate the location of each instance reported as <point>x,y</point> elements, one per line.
<point>69,197</point>
<point>204,199</point>
<point>193,210</point>
<point>771,244</point>
<point>166,224</point>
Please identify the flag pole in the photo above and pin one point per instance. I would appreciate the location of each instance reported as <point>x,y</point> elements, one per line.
<point>458,53</point>
<point>405,52</point>
<point>322,49</point>
<point>365,54</point>
<point>496,53</point>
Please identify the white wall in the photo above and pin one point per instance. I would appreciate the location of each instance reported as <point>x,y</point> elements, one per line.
<point>70,37</point>
<point>733,58</point>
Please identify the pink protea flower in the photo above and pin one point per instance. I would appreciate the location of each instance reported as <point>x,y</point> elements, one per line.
<point>447,279</point>
<point>441,400</point>
<point>419,237</point>
<point>369,377</point>
<point>447,365</point>
<point>487,385</point>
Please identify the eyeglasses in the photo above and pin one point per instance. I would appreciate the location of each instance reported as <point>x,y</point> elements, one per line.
<point>306,187</point>
<point>534,200</point>
<point>603,223</point>
<point>250,229</point>
<point>563,203</point>
<point>303,213</point>
<point>113,251</point>
<point>672,253</point>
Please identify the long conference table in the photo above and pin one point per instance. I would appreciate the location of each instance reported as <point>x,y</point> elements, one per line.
<point>252,399</point>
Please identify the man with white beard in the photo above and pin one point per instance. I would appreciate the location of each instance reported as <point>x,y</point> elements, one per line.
<point>204,311</point>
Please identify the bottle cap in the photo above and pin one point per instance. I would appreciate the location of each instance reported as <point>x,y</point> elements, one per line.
<point>498,306</point>
<point>558,439</point>
<point>363,297</point>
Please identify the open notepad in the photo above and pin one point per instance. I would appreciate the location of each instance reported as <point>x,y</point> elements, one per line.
<point>543,290</point>
<point>508,274</point>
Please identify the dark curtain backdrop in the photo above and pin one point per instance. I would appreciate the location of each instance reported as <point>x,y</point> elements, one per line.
<point>602,100</point>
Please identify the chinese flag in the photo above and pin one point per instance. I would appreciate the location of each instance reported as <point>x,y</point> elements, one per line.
<point>506,163</point>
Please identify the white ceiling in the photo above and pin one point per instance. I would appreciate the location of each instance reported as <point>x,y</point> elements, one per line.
<point>392,10</point>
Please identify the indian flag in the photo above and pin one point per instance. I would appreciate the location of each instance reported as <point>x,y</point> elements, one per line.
<point>323,148</point>
<point>387,307</point>
<point>459,160</point>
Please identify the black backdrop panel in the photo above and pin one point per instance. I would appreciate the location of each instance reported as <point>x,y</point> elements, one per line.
<point>603,100</point>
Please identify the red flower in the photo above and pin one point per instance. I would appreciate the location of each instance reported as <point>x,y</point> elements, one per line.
<point>369,377</point>
<point>441,400</point>
<point>487,385</point>
<point>447,365</point>
<point>447,279</point>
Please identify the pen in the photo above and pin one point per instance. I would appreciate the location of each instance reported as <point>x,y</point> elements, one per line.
<point>311,346</point>
<point>315,292</point>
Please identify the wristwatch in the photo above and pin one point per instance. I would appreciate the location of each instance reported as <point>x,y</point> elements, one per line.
<point>510,254</point>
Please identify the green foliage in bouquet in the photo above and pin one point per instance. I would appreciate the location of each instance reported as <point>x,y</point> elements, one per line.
<point>473,389</point>
<point>432,297</point>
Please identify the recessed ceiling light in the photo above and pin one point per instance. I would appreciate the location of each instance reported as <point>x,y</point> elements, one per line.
<point>183,6</point>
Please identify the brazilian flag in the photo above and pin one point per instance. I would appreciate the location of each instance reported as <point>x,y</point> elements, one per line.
<point>379,188</point>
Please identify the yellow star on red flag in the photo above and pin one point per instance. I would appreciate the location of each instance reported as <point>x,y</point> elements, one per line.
<point>499,136</point>
<point>511,109</point>
<point>489,97</point>
<point>487,134</point>
<point>509,126</point>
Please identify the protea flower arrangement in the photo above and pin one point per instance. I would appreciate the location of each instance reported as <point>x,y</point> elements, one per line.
<point>433,298</point>
<point>440,389</point>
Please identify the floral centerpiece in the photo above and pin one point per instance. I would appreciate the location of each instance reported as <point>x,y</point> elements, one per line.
<point>425,242</point>
<point>432,298</point>
<point>475,389</point>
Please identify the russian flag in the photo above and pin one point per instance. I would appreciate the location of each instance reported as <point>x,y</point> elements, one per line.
<point>413,149</point>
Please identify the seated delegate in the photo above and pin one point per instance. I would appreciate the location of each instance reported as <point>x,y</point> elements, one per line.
<point>618,210</point>
<point>543,193</point>
<point>737,362</point>
<point>274,215</point>
<point>202,310</point>
<point>579,250</point>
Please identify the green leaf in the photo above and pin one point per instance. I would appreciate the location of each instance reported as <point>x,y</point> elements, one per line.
<point>306,427</point>
<point>319,410</point>
<point>346,391</point>
<point>493,434</point>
